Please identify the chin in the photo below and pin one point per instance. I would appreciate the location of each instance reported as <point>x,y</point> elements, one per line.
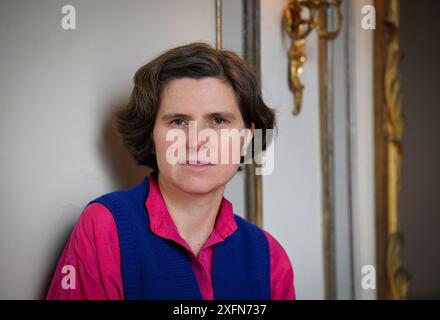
<point>199,184</point>
<point>193,188</point>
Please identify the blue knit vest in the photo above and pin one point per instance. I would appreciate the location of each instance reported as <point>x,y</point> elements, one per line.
<point>155,268</point>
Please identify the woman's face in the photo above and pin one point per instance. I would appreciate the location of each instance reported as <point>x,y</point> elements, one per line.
<point>189,106</point>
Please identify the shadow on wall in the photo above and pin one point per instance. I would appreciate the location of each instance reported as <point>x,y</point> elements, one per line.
<point>118,162</point>
<point>119,165</point>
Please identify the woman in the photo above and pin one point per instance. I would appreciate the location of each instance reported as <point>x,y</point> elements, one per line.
<point>174,235</point>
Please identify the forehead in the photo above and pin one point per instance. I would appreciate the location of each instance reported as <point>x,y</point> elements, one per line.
<point>198,95</point>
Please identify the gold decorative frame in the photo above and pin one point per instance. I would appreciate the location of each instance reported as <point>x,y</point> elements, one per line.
<point>393,279</point>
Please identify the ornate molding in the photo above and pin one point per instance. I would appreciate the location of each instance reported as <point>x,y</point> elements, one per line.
<point>397,277</point>
<point>393,278</point>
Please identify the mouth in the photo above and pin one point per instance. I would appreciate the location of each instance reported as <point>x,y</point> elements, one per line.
<point>197,165</point>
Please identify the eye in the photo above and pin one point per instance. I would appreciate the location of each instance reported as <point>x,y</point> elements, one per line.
<point>218,121</point>
<point>178,122</point>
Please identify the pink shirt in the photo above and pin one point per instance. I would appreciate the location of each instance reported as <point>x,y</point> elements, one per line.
<point>93,251</point>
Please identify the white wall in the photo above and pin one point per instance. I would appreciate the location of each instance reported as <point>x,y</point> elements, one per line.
<point>362,147</point>
<point>292,193</point>
<point>342,174</point>
<point>57,91</point>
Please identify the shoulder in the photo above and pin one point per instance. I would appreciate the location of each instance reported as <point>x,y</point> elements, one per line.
<point>95,227</point>
<point>244,224</point>
<point>276,249</point>
<point>96,216</point>
<point>277,252</point>
<point>282,274</point>
<point>127,199</point>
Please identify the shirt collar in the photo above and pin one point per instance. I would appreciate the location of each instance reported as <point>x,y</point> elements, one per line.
<point>163,225</point>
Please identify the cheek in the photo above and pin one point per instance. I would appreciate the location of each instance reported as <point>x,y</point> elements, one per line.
<point>172,150</point>
<point>229,150</point>
<point>161,145</point>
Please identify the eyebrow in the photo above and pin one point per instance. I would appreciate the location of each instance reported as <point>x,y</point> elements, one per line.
<point>170,116</point>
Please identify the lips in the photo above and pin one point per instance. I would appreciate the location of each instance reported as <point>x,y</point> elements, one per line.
<point>198,163</point>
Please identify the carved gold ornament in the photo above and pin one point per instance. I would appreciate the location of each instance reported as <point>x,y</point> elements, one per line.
<point>298,28</point>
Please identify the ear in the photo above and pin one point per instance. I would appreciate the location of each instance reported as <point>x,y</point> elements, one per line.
<point>249,140</point>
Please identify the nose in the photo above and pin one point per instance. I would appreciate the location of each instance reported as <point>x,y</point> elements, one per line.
<point>194,143</point>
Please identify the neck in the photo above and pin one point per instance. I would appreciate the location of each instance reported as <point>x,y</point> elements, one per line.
<point>193,214</point>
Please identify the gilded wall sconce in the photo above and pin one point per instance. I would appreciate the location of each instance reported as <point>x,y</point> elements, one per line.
<point>298,28</point>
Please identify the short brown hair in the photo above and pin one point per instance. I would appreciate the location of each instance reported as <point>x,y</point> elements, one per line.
<point>135,122</point>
